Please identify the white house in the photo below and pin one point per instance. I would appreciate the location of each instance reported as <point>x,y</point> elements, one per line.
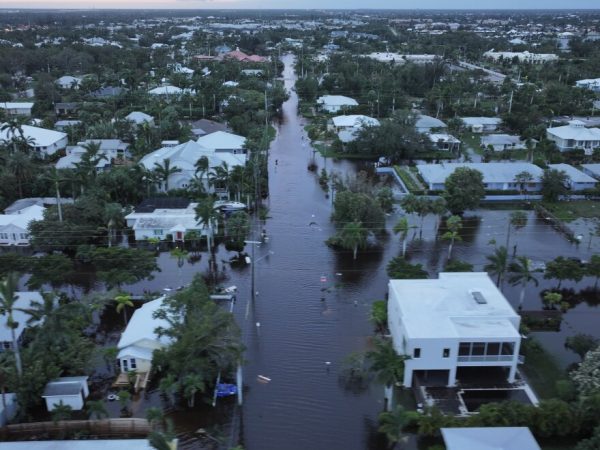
<point>458,320</point>
<point>578,180</point>
<point>140,339</point>
<point>496,175</point>
<point>69,82</point>
<point>46,142</point>
<point>489,438</point>
<point>348,127</point>
<point>110,150</point>
<point>25,300</point>
<point>500,142</point>
<point>336,103</point>
<point>159,223</point>
<point>139,118</point>
<point>223,142</point>
<point>592,170</point>
<point>398,59</point>
<point>591,84</point>
<point>14,227</point>
<point>575,136</point>
<point>424,123</point>
<point>444,142</point>
<point>184,156</point>
<point>80,444</point>
<point>169,91</point>
<point>482,124</point>
<point>17,108</point>
<point>71,391</point>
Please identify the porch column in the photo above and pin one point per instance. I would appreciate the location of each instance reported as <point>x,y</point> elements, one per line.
<point>512,373</point>
<point>408,376</point>
<point>452,377</point>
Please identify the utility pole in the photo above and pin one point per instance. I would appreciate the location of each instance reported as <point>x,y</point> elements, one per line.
<point>510,101</point>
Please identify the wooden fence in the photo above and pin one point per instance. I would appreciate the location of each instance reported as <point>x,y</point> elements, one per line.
<point>105,428</point>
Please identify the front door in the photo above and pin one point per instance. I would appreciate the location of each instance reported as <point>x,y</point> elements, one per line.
<point>125,365</point>
<point>179,236</point>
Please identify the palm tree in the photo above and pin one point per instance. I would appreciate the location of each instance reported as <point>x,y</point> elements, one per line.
<point>207,216</point>
<point>387,365</point>
<point>521,273</point>
<point>21,167</point>
<point>391,423</point>
<point>155,416</point>
<point>113,216</point>
<point>438,208</point>
<point>179,254</point>
<point>516,220</point>
<point>55,177</point>
<point>14,128</point>
<point>353,236</point>
<point>8,298</point>
<point>401,228</point>
<point>218,177</point>
<point>192,384</point>
<point>60,411</point>
<point>202,166</point>
<point>498,263</point>
<point>454,224</point>
<point>123,301</point>
<point>41,311</point>
<point>164,171</point>
<point>96,408</point>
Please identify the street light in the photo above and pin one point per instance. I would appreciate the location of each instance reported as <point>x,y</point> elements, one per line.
<point>253,261</point>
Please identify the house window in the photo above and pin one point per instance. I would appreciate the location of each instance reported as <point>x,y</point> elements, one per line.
<point>3,235</point>
<point>493,348</point>
<point>417,353</point>
<point>508,348</point>
<point>133,364</point>
<point>24,236</point>
<point>125,365</point>
<point>446,353</point>
<point>158,232</point>
<point>464,349</point>
<point>6,345</point>
<point>478,348</point>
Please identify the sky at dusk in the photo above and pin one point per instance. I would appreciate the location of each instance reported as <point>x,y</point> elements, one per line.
<point>300,4</point>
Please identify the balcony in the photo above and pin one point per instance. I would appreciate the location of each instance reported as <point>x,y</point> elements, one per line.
<point>486,358</point>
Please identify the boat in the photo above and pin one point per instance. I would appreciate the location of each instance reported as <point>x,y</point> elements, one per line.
<point>228,206</point>
<point>226,390</point>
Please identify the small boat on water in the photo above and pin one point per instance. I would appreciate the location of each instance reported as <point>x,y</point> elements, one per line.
<point>228,206</point>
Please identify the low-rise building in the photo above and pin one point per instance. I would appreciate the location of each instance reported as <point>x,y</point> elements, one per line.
<point>110,151</point>
<point>524,57</point>
<point>592,84</point>
<point>25,300</point>
<point>139,340</point>
<point>444,142</point>
<point>575,136</point>
<point>398,58</point>
<point>457,321</point>
<point>82,444</point>
<point>69,391</point>
<point>171,223</point>
<point>501,142</point>
<point>425,124</point>
<point>66,108</point>
<point>224,142</point>
<point>347,127</point>
<point>489,438</point>
<point>22,109</point>
<point>139,118</point>
<point>336,103</point>
<point>69,82</point>
<point>14,227</point>
<point>578,180</point>
<point>482,124</point>
<point>43,141</point>
<point>593,170</point>
<point>497,176</point>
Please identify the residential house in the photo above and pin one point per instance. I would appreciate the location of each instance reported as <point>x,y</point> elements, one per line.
<point>108,92</point>
<point>22,109</point>
<point>139,118</point>
<point>25,300</point>
<point>497,176</point>
<point>70,391</point>
<point>203,127</point>
<point>69,82</point>
<point>23,203</point>
<point>500,142</point>
<point>399,59</point>
<point>185,156</point>
<point>575,136</point>
<point>489,438</point>
<point>336,103</point>
<point>43,141</point>
<point>63,125</point>
<point>252,72</point>
<point>591,84</point>
<point>169,91</point>
<point>452,324</point>
<point>425,124</point>
<point>139,340</point>
<point>592,170</point>
<point>164,223</point>
<point>482,124</point>
<point>65,108</point>
<point>221,141</point>
<point>444,142</point>
<point>348,127</point>
<point>578,180</point>
<point>241,56</point>
<point>14,227</point>
<point>110,151</point>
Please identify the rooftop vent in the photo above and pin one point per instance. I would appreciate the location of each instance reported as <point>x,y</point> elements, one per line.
<point>478,297</point>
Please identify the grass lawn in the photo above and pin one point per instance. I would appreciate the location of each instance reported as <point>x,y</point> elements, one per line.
<point>473,141</point>
<point>541,369</point>
<point>569,211</point>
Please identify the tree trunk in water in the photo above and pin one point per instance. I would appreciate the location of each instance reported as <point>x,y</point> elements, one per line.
<point>355,251</point>
<point>404,247</point>
<point>16,352</point>
<point>450,249</point>
<point>389,397</point>
<point>58,205</point>
<point>521,297</point>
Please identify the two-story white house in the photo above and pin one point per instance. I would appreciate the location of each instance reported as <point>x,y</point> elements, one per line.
<point>43,141</point>
<point>575,135</point>
<point>110,150</point>
<point>14,227</point>
<point>457,321</point>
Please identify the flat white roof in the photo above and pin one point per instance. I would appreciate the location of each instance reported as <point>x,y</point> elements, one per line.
<point>354,120</point>
<point>337,100</point>
<point>481,120</point>
<point>489,438</point>
<point>499,172</point>
<point>446,308</point>
<point>79,444</point>
<point>593,168</point>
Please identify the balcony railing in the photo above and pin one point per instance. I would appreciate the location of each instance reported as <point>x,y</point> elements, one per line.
<point>486,358</point>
